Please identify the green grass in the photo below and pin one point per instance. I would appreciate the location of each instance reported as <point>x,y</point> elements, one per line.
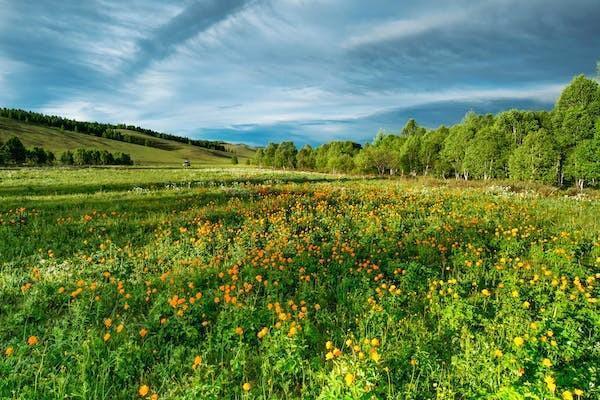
<point>193,283</point>
<point>169,153</point>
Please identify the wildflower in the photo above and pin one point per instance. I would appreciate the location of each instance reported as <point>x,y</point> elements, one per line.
<point>567,395</point>
<point>293,331</point>
<point>143,332</point>
<point>518,341</point>
<point>498,353</point>
<point>486,293</point>
<point>197,362</point>
<point>329,345</point>
<point>526,304</point>
<point>349,342</point>
<point>546,362</point>
<point>263,332</point>
<point>413,362</point>
<point>374,355</point>
<point>329,356</point>
<point>120,327</point>
<point>349,379</point>
<point>108,323</point>
<point>143,390</point>
<point>32,340</point>
<point>9,351</point>
<point>154,397</point>
<point>106,337</point>
<point>246,386</point>
<point>239,331</point>
<point>550,383</point>
<point>374,342</point>
<point>578,392</point>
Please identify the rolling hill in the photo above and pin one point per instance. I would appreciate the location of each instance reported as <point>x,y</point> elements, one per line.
<point>163,152</point>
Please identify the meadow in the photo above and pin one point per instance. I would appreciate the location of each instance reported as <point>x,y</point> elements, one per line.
<point>241,283</point>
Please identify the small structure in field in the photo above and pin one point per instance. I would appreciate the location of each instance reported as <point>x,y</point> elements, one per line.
<point>187,164</point>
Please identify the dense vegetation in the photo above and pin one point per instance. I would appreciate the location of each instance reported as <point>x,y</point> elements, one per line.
<point>557,147</point>
<point>224,284</point>
<point>109,131</point>
<point>14,153</point>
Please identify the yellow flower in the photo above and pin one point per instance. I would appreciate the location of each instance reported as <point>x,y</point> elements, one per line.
<point>120,328</point>
<point>349,379</point>
<point>486,293</point>
<point>374,342</point>
<point>550,383</point>
<point>108,323</point>
<point>143,332</point>
<point>349,342</point>
<point>498,353</point>
<point>329,345</point>
<point>578,392</point>
<point>247,386</point>
<point>526,304</point>
<point>197,362</point>
<point>143,390</point>
<point>329,356</point>
<point>32,340</point>
<point>106,337</point>
<point>374,355</point>
<point>518,341</point>
<point>9,351</point>
<point>154,397</point>
<point>567,395</point>
<point>546,362</point>
<point>239,331</point>
<point>263,332</point>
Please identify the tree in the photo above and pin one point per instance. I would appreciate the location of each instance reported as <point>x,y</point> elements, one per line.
<point>431,147</point>
<point>583,164</point>
<point>487,154</point>
<point>574,115</point>
<point>234,160</point>
<point>285,155</point>
<point>536,160</point>
<point>305,159</point>
<point>82,157</point>
<point>66,158</point>
<point>37,156</point>
<point>14,151</point>
<point>455,146</point>
<point>258,158</point>
<point>269,155</point>
<point>516,124</point>
<point>106,158</point>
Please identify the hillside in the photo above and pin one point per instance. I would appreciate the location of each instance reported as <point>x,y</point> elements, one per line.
<point>168,152</point>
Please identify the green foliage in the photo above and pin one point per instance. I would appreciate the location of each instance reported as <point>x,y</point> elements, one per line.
<point>536,160</point>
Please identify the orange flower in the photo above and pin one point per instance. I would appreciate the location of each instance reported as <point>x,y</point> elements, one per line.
<point>143,332</point>
<point>197,362</point>
<point>32,340</point>
<point>143,390</point>
<point>239,331</point>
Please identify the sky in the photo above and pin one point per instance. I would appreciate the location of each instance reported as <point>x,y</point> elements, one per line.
<point>312,71</point>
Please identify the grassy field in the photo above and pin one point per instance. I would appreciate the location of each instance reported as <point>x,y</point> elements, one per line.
<point>212,283</point>
<point>168,152</point>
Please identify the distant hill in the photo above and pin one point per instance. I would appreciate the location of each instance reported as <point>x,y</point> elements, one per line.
<point>144,148</point>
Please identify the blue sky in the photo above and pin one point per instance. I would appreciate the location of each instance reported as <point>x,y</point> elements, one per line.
<point>312,70</point>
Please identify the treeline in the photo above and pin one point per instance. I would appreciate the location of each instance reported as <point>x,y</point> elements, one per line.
<point>104,130</point>
<point>13,152</point>
<point>560,147</point>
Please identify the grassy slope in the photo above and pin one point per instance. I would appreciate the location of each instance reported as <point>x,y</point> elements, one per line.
<point>172,153</point>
